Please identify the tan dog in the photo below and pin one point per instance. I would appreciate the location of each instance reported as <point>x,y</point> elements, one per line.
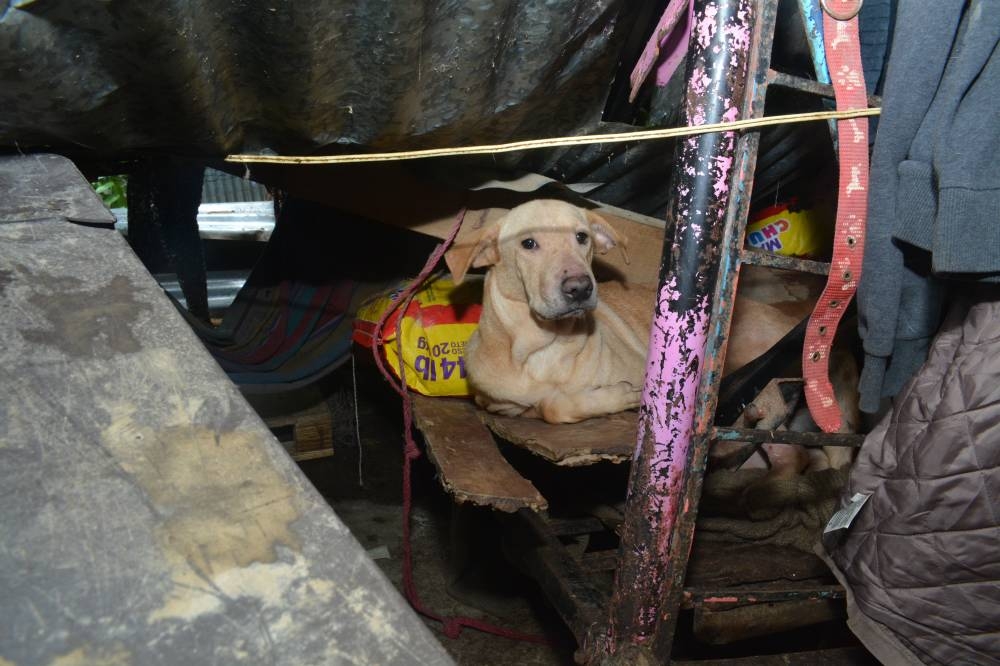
<point>546,345</point>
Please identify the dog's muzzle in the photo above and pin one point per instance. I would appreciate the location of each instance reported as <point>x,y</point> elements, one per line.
<point>577,289</point>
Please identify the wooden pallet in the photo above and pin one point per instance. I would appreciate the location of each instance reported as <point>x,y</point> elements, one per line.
<point>305,434</point>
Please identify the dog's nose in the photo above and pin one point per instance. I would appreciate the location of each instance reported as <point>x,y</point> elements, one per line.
<point>577,288</point>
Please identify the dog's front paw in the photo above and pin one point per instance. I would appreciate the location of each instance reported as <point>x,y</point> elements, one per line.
<point>595,401</point>
<point>630,396</point>
<point>503,408</point>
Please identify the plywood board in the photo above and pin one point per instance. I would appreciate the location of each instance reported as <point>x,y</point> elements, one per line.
<point>471,466</point>
<point>609,438</point>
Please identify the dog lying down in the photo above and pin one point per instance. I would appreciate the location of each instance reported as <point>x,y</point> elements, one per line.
<point>547,346</point>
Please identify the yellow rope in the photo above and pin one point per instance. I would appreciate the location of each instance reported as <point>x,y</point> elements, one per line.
<point>643,135</point>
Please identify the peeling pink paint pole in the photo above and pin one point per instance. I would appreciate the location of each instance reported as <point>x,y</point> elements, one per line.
<point>672,444</point>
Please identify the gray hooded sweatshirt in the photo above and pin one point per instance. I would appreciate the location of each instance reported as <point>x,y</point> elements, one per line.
<point>934,197</point>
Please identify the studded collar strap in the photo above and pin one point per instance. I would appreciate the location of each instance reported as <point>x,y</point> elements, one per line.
<point>843,52</point>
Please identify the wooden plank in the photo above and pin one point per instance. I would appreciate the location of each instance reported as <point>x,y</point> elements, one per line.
<point>847,656</point>
<point>48,186</point>
<point>467,458</point>
<point>610,438</point>
<point>714,565</point>
<point>536,550</point>
<point>742,591</point>
<point>757,620</point>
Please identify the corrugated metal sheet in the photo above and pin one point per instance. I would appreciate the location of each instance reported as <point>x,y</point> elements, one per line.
<point>221,187</point>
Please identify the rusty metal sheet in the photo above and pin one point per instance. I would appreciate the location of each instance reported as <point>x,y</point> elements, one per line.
<point>147,514</point>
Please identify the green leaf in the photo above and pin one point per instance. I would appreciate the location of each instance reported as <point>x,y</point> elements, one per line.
<point>113,190</point>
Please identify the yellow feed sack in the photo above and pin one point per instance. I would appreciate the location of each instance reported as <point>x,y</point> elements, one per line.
<point>436,328</point>
<point>793,231</point>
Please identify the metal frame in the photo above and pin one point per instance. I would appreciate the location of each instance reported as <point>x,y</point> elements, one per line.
<point>728,74</point>
<point>711,185</point>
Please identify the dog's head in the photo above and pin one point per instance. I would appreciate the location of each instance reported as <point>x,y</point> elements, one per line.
<point>541,252</point>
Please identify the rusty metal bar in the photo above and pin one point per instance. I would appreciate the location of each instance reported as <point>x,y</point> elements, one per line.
<point>753,436</point>
<point>812,20</point>
<point>701,255</point>
<point>771,260</point>
<point>810,86</point>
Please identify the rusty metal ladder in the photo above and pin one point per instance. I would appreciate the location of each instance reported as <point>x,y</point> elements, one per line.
<point>728,75</point>
<point>712,181</point>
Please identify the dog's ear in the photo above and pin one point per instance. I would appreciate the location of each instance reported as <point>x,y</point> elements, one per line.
<point>605,236</point>
<point>480,250</point>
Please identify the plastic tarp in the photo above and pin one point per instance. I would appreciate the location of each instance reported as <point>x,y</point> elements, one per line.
<point>212,77</point>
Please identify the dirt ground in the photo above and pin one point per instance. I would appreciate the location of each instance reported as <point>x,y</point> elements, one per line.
<point>377,526</point>
<point>488,587</point>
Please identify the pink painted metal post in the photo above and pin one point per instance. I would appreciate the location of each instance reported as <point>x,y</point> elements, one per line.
<point>671,444</point>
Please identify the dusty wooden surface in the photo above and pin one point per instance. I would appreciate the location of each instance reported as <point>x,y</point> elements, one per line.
<point>847,656</point>
<point>716,566</point>
<point>721,627</point>
<point>571,444</point>
<point>59,195</point>
<point>467,458</point>
<point>147,516</point>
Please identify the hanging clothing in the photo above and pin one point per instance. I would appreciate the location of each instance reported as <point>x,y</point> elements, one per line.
<point>920,561</point>
<point>934,198</point>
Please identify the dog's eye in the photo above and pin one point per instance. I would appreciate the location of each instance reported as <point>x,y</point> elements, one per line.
<point>582,237</point>
<point>529,244</point>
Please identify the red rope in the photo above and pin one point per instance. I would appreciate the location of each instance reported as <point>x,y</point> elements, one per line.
<point>452,625</point>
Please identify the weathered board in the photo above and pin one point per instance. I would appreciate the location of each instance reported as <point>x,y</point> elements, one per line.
<point>470,465</point>
<point>735,574</point>
<point>47,186</point>
<point>147,516</point>
<point>571,444</point>
<point>306,434</point>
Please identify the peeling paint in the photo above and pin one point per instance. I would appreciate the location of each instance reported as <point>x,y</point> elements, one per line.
<point>647,582</point>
